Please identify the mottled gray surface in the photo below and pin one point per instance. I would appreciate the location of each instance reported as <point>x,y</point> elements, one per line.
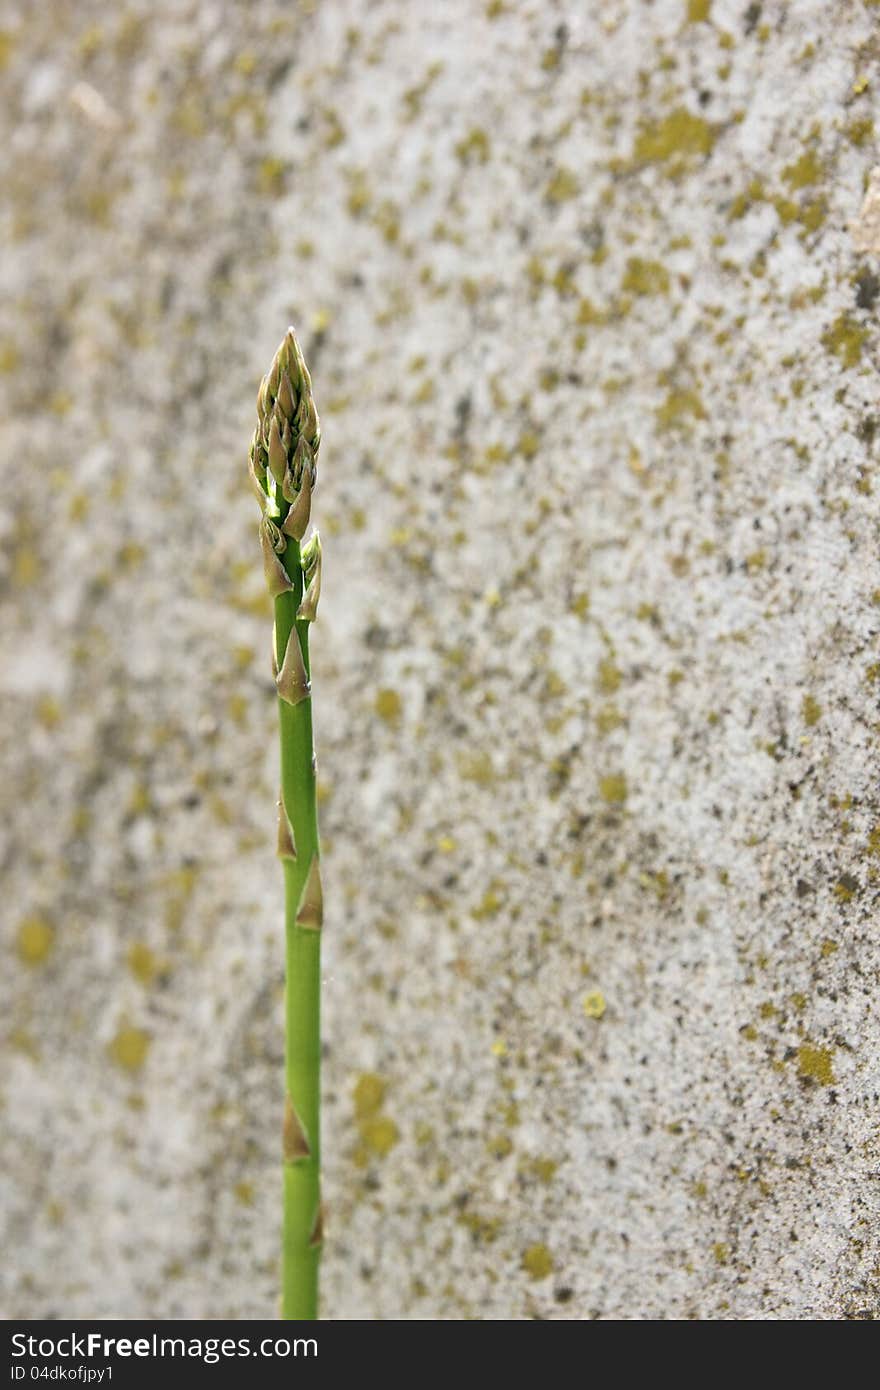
<point>588,293</point>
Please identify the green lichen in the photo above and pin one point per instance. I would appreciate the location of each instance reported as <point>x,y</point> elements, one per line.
<point>594,1004</point>
<point>537,1262</point>
<point>608,677</point>
<point>588,313</point>
<point>845,339</point>
<point>474,148</point>
<point>846,888</point>
<point>388,706</point>
<point>129,1048</point>
<point>804,172</point>
<point>613,788</point>
<point>35,940</point>
<point>378,1133</point>
<point>811,711</point>
<point>490,904</point>
<point>677,142</point>
<point>645,277</point>
<point>815,1064</point>
<point>143,963</point>
<point>608,718</point>
<point>681,405</point>
<point>860,131</point>
<point>499,1145</point>
<point>368,1094</point>
<point>562,186</point>
<point>544,1169</point>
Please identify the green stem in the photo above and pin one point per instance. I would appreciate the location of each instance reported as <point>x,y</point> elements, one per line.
<point>302,1199</point>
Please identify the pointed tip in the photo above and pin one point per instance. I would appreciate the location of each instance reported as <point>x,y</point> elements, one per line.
<point>294,1143</point>
<point>310,912</point>
<point>286,841</point>
<point>316,1237</point>
<point>296,522</point>
<point>277,578</point>
<point>311,559</point>
<point>292,681</point>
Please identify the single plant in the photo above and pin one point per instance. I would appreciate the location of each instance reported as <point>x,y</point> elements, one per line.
<point>282,466</point>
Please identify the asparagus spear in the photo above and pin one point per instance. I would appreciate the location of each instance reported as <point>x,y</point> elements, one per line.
<point>282,467</point>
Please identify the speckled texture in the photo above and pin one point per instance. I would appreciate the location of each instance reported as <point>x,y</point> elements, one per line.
<point>588,294</point>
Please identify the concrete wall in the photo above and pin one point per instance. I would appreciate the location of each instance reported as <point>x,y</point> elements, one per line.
<point>589,297</point>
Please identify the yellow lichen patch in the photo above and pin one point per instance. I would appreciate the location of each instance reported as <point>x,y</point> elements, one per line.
<point>679,406</point>
<point>562,186</point>
<point>537,1261</point>
<point>142,963</point>
<point>48,711</point>
<point>860,131</point>
<point>368,1094</point>
<point>179,885</point>
<point>846,888</point>
<point>812,214</point>
<point>474,148</point>
<point>554,686</point>
<point>528,444</point>
<point>811,711</point>
<point>720,1252</point>
<point>25,566</point>
<point>476,767</point>
<point>594,1004</point>
<point>499,1145</point>
<point>484,1229</point>
<point>677,141</point>
<point>608,677</point>
<point>244,1193</point>
<point>645,277</point>
<point>804,172</point>
<point>389,705</point>
<point>698,11</point>
<point>490,904</point>
<point>657,880</point>
<point>237,708</point>
<point>270,176</point>
<point>612,788</point>
<point>752,195</point>
<point>845,339</point>
<point>814,1064</point>
<point>608,718</point>
<point>129,1048</point>
<point>35,940</point>
<point>379,1135</point>
<point>130,556</point>
<point>544,1169</point>
<point>589,313</point>
<point>828,948</point>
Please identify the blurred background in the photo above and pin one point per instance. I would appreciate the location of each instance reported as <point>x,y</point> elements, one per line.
<point>588,297</point>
